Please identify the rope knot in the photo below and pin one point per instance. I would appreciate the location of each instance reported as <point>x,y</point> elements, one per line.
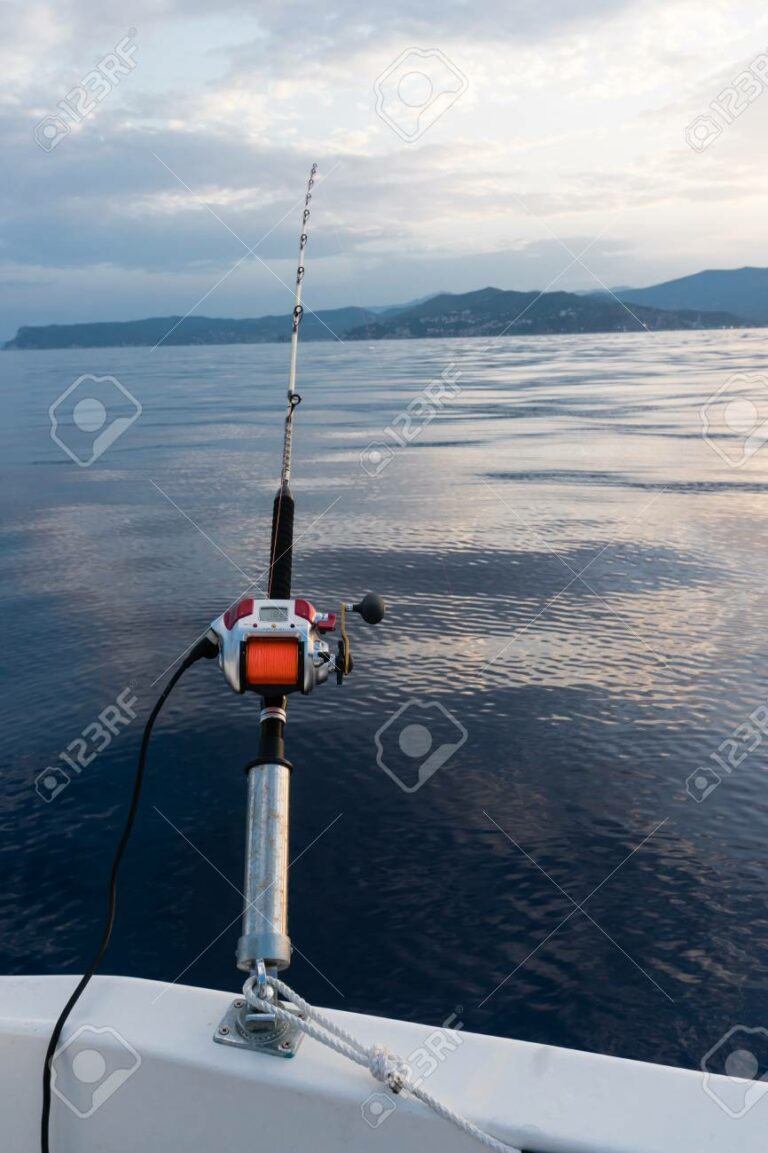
<point>388,1068</point>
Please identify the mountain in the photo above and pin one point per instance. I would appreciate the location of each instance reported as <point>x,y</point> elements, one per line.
<point>487,312</point>
<point>742,291</point>
<point>323,325</point>
<point>492,311</point>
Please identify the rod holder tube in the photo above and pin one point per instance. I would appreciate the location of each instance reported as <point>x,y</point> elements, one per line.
<point>265,915</point>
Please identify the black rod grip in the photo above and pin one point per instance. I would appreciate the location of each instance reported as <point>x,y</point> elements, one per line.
<point>281,545</point>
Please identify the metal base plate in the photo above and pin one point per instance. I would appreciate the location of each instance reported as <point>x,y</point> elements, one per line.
<point>277,1038</point>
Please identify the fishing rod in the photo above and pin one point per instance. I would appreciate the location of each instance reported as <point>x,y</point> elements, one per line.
<point>272,647</point>
<point>281,550</point>
<point>275,647</point>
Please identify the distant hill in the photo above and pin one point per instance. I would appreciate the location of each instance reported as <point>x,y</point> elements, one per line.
<point>323,325</point>
<point>491,311</point>
<point>741,291</point>
<point>487,312</point>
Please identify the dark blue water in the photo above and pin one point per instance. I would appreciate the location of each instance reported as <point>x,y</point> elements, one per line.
<point>586,700</point>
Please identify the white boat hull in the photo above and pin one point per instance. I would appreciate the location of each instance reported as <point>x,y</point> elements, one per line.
<point>166,1086</point>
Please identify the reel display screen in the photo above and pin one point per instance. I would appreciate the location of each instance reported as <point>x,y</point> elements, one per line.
<point>273,613</point>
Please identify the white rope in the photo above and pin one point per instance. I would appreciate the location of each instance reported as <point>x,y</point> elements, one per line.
<point>385,1066</point>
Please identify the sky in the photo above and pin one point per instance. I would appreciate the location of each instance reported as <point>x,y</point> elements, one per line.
<point>155,153</point>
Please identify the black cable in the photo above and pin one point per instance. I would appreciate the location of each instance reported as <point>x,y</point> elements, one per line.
<point>204,648</point>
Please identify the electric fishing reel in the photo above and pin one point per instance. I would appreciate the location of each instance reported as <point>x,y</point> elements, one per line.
<point>277,647</point>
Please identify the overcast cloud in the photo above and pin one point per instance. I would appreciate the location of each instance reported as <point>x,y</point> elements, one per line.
<point>568,131</point>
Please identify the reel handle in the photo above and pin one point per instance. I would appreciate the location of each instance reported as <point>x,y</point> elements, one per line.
<point>371,608</point>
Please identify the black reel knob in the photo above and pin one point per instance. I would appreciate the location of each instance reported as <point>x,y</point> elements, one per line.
<point>371,608</point>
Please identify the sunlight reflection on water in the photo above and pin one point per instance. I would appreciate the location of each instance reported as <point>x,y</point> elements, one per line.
<point>571,570</point>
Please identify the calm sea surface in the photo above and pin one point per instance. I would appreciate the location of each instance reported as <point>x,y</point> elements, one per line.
<point>578,621</point>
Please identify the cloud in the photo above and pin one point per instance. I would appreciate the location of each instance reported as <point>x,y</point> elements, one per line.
<point>571,126</point>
